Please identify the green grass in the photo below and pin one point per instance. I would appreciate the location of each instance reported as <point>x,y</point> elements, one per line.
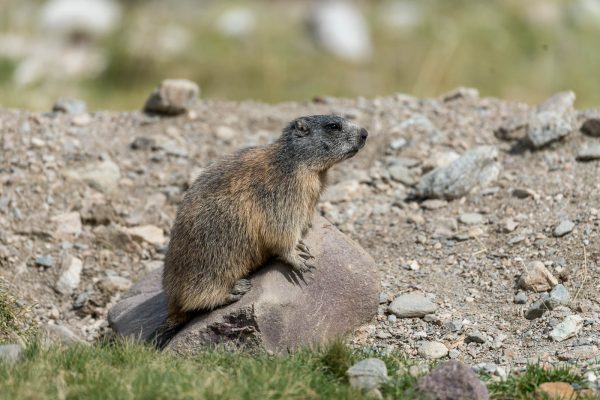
<point>523,386</point>
<point>126,370</point>
<point>133,371</point>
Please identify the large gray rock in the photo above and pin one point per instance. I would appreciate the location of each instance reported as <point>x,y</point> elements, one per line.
<point>282,310</point>
<point>452,380</point>
<point>552,119</point>
<point>477,166</point>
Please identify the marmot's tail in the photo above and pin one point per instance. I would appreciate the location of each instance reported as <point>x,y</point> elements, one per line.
<point>165,332</point>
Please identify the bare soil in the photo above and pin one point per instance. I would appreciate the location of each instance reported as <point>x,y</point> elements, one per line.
<point>470,271</point>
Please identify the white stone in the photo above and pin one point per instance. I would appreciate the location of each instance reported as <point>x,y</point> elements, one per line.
<point>91,17</point>
<point>70,276</point>
<point>568,328</point>
<point>432,350</point>
<point>68,225</point>
<point>147,233</point>
<point>236,22</point>
<point>342,30</point>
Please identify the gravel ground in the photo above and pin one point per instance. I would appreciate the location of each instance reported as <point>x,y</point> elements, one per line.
<point>87,201</point>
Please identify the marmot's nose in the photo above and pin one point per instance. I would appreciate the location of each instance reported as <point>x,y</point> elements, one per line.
<point>363,133</point>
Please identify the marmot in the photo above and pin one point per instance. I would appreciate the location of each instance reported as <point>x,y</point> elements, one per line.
<point>246,208</point>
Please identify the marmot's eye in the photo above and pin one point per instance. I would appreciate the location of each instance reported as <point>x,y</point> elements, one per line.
<point>333,126</point>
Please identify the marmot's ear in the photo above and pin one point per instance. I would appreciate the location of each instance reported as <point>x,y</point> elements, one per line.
<point>302,128</point>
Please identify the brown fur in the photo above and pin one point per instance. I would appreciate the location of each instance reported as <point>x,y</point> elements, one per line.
<point>243,210</point>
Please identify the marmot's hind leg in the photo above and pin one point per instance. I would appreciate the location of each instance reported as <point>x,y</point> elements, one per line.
<point>174,322</point>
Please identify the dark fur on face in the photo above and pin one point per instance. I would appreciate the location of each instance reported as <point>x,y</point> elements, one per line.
<point>320,141</point>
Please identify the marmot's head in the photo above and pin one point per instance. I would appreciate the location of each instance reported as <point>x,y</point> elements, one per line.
<point>320,141</point>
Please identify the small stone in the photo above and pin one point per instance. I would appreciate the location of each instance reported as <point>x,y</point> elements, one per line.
<point>417,370</point>
<point>170,146</point>
<point>454,354</point>
<point>537,278</point>
<point>591,127</point>
<point>432,350</point>
<point>142,143</point>
<point>98,214</point>
<point>509,225</point>
<point>225,133</point>
<point>523,193</point>
<point>412,305</point>
<point>568,328</point>
<point>392,319</point>
<point>398,143</point>
<point>413,265</point>
<point>367,374</point>
<point>470,218</point>
<point>452,380</point>
<point>591,377</point>
<point>434,204</point>
<point>475,337</point>
<point>61,334</point>
<point>589,153</point>
<point>516,240</point>
<point>103,176</point>
<point>559,296</point>
<point>564,227</point>
<point>512,129</point>
<point>173,97</point>
<point>68,226</point>
<point>342,191</point>
<point>521,297</point>
<point>81,119</point>
<point>44,261</point>
<point>537,309</point>
<point>552,119</point>
<point>115,283</point>
<point>401,174</point>
<point>70,106</point>
<point>10,353</point>
<point>383,298</point>
<point>147,233</point>
<point>454,326</point>
<point>477,166</point>
<point>70,276</point>
<point>556,391</point>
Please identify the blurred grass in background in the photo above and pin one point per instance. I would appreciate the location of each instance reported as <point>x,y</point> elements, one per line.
<point>522,50</point>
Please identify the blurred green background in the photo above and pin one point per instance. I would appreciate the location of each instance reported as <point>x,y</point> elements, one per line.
<point>270,50</point>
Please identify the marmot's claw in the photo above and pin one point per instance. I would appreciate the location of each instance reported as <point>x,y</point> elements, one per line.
<point>303,250</point>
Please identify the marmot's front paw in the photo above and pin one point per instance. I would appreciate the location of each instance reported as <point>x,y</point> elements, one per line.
<point>303,250</point>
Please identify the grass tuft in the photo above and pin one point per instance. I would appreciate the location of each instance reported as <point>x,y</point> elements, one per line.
<point>13,327</point>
